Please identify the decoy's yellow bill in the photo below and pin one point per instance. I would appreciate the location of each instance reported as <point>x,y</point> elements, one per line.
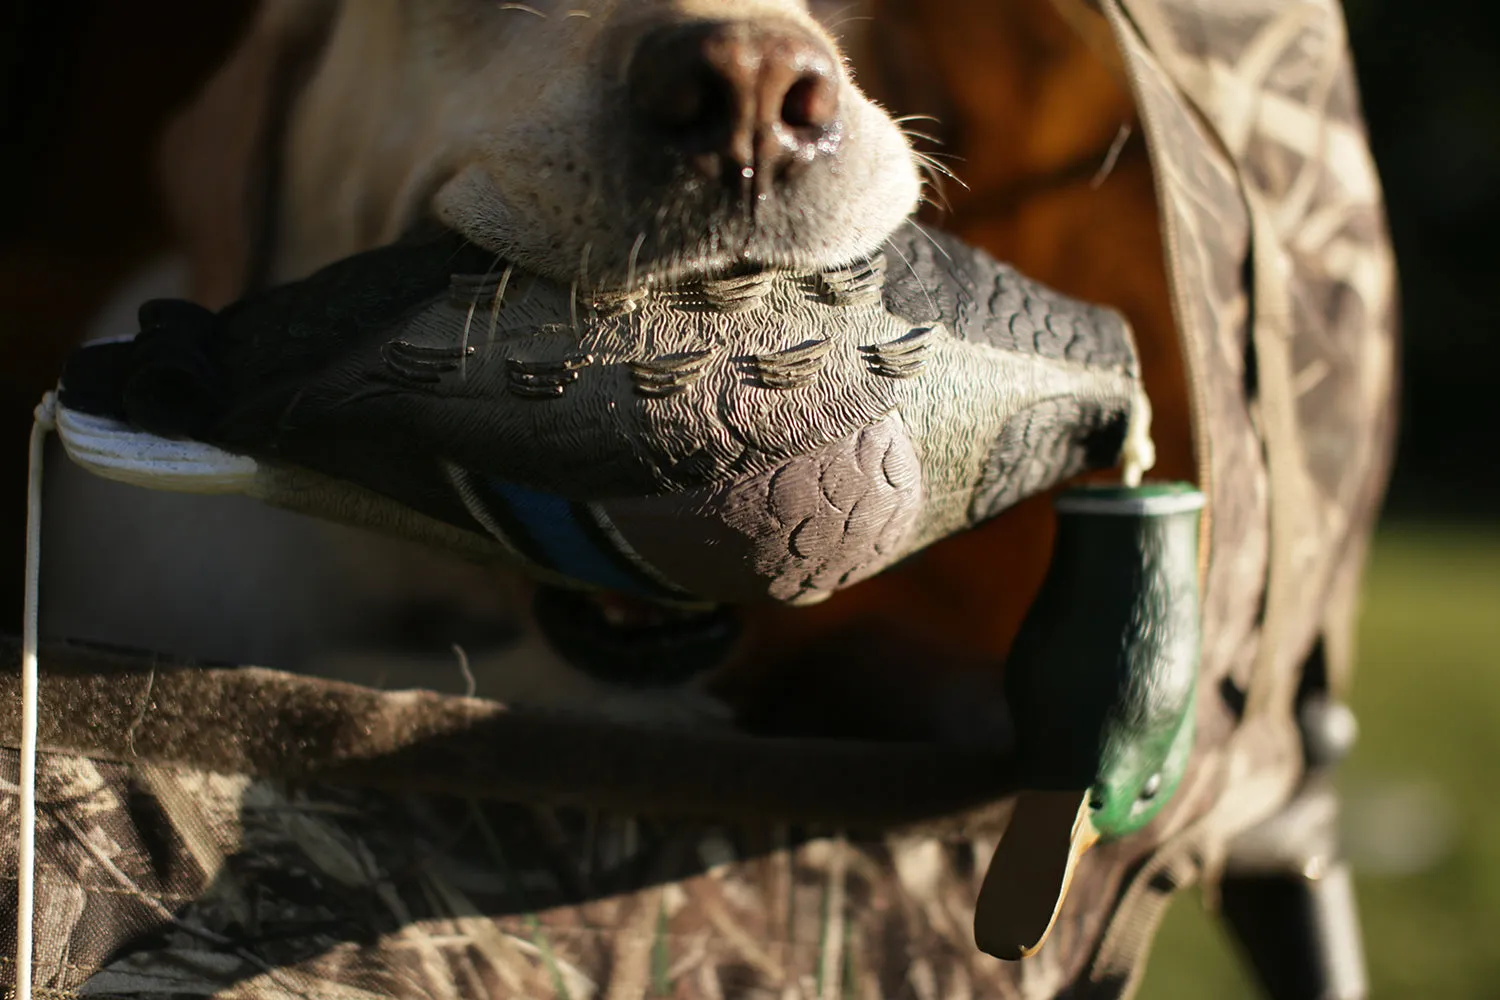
<point>1033,867</point>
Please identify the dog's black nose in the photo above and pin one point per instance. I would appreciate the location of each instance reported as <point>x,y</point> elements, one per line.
<point>745,101</point>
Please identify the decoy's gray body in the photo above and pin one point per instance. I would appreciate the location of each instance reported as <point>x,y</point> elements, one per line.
<point>769,436</point>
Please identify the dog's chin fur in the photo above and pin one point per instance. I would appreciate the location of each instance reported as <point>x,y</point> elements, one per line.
<point>578,225</point>
<point>635,249</point>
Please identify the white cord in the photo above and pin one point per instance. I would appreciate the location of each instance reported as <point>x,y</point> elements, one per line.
<point>45,417</point>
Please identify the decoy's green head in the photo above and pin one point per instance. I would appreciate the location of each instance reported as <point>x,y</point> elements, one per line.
<point>1140,770</point>
<point>1101,682</point>
<point>1056,821</point>
<point>1103,675</point>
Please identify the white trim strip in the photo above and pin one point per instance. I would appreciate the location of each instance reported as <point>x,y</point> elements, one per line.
<point>117,451</point>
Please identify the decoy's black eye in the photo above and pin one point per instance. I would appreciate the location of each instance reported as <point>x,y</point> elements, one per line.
<point>1096,802</point>
<point>1151,787</point>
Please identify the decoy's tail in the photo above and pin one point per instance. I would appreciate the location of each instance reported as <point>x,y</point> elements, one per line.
<point>162,381</point>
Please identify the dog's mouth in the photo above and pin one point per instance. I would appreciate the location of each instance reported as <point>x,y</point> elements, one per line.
<point>635,242</point>
<point>638,273</point>
<point>721,288</point>
<point>635,642</point>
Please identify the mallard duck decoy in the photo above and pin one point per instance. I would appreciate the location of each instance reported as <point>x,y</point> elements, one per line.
<point>1101,683</point>
<point>759,436</point>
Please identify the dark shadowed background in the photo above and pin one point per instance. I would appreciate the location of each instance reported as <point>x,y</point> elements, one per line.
<point>84,85</point>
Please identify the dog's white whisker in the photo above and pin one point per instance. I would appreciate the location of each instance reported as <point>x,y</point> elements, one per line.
<point>495,308</point>
<point>935,244</point>
<point>463,343</point>
<point>933,193</point>
<point>833,20</point>
<point>920,283</point>
<point>635,252</point>
<point>933,181</point>
<point>941,168</point>
<point>834,27</point>
<point>1111,157</point>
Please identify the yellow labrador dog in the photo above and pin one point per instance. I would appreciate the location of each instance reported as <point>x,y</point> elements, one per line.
<point>577,138</point>
<point>589,140</point>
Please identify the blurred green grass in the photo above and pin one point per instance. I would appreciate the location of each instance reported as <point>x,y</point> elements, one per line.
<point>1427,694</point>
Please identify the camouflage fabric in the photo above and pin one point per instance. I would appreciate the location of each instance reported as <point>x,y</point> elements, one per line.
<point>1283,285</point>
<point>166,872</point>
<point>162,881</point>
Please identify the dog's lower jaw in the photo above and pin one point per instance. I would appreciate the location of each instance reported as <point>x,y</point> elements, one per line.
<point>608,246</point>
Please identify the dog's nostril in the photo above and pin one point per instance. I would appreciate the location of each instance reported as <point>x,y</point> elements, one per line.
<point>811,103</point>
<point>738,100</point>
